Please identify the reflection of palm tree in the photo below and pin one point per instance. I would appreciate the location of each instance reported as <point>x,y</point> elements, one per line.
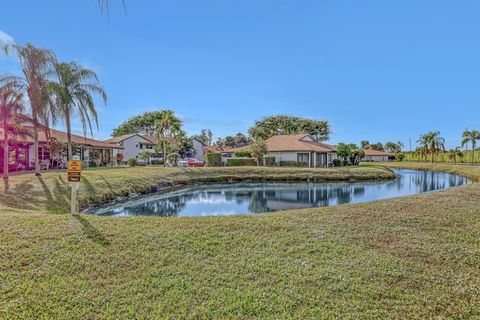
<point>258,202</point>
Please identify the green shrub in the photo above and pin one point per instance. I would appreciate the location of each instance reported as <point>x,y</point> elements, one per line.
<point>132,162</point>
<point>239,162</point>
<point>214,159</point>
<point>269,161</point>
<point>156,162</point>
<point>337,162</point>
<point>94,162</point>
<point>399,156</point>
<point>172,158</point>
<point>293,164</point>
<point>242,154</point>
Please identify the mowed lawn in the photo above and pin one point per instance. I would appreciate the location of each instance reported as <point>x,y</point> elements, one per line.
<point>412,257</point>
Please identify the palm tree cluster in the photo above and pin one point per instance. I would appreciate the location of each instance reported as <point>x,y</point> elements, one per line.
<point>56,91</point>
<point>431,143</point>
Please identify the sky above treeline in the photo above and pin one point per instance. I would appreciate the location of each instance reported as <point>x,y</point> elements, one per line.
<point>376,70</point>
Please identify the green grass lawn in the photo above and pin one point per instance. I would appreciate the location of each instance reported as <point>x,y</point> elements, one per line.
<point>413,257</point>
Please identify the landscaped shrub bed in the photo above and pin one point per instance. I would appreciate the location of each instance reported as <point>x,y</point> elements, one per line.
<point>300,164</point>
<point>242,154</point>
<point>269,161</point>
<point>240,162</point>
<point>214,159</point>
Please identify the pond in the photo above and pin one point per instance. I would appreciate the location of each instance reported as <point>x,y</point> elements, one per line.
<point>254,197</point>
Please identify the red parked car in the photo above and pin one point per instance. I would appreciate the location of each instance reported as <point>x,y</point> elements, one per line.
<point>195,163</point>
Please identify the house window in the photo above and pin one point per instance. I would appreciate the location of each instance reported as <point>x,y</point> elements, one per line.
<point>149,146</point>
<point>303,157</point>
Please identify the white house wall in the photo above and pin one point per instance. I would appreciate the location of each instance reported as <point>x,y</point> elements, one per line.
<point>132,147</point>
<point>198,147</point>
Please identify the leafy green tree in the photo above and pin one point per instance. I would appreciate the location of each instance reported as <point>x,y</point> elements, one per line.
<point>471,137</point>
<point>258,150</point>
<point>144,124</point>
<point>73,93</point>
<point>37,65</point>
<point>168,127</point>
<point>357,154</point>
<point>283,124</point>
<point>344,152</point>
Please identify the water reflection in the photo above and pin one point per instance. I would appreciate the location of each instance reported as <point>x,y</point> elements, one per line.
<point>243,198</point>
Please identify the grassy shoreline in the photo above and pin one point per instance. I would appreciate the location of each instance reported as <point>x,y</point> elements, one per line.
<point>50,192</point>
<point>465,170</point>
<point>411,257</point>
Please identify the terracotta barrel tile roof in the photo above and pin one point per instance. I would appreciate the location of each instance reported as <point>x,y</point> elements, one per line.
<point>369,152</point>
<point>291,142</point>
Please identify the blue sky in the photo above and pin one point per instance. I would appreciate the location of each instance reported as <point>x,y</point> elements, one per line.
<point>377,70</point>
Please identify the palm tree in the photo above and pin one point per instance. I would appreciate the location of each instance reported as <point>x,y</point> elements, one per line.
<point>10,103</point>
<point>400,146</point>
<point>37,66</point>
<point>472,137</point>
<point>168,127</point>
<point>423,141</point>
<point>73,93</point>
<point>432,143</point>
<point>436,143</point>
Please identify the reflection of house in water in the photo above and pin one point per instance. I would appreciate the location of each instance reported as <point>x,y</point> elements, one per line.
<point>308,196</point>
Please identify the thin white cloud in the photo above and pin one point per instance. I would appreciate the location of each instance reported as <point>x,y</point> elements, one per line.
<point>5,39</point>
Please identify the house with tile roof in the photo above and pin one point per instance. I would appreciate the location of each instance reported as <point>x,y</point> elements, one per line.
<point>133,144</point>
<point>22,155</point>
<point>295,147</point>
<point>378,156</point>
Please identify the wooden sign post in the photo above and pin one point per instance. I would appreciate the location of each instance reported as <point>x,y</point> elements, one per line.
<point>74,171</point>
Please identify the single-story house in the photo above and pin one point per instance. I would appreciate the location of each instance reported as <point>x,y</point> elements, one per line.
<point>22,155</point>
<point>135,143</point>
<point>377,156</point>
<point>295,148</point>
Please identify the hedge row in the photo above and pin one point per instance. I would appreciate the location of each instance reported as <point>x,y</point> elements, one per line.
<point>214,159</point>
<point>293,164</point>
<point>237,162</point>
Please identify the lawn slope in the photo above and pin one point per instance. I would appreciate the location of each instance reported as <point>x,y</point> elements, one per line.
<point>413,257</point>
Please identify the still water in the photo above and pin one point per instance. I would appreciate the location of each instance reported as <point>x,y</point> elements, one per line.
<point>250,197</point>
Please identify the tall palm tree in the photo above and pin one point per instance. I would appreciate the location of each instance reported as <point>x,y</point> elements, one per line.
<point>168,127</point>
<point>37,67</point>
<point>471,137</point>
<point>73,94</point>
<point>11,103</point>
<point>423,141</point>
<point>432,143</point>
<point>436,143</point>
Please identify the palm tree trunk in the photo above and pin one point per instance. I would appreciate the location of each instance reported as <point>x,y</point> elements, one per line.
<point>35,142</point>
<point>5,154</point>
<point>473,153</point>
<point>164,151</point>
<point>69,137</point>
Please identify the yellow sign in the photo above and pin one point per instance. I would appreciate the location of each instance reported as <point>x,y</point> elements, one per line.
<point>74,176</point>
<point>74,170</point>
<point>74,166</point>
